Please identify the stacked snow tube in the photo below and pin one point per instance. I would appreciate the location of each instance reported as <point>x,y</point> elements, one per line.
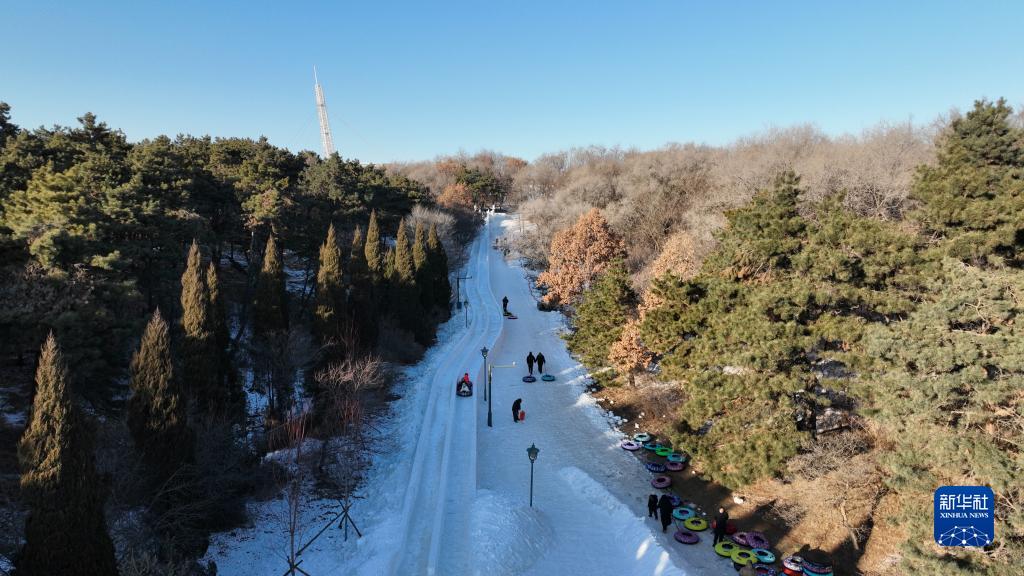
<point>547,378</point>
<point>630,445</point>
<point>683,513</point>
<point>677,457</point>
<point>792,565</point>
<point>674,466</point>
<point>642,437</point>
<point>661,482</point>
<point>651,446</point>
<point>740,538</point>
<point>816,569</point>
<point>765,570</point>
<point>655,467</point>
<point>686,537</point>
<point>764,555</point>
<point>758,540</point>
<point>663,451</point>
<point>741,558</point>
<point>696,524</point>
<point>725,548</point>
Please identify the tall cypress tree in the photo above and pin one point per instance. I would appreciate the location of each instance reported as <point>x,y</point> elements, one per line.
<point>442,290</point>
<point>227,378</point>
<point>329,315</point>
<point>199,341</point>
<point>270,306</point>
<point>362,306</point>
<point>357,267</point>
<point>404,265</point>
<point>374,263</point>
<point>157,410</point>
<point>424,274</point>
<point>65,532</point>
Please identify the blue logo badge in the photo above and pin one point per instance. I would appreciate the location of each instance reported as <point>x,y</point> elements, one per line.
<point>965,516</point>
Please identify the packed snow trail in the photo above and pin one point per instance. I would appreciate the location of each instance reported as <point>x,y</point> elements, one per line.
<point>448,495</point>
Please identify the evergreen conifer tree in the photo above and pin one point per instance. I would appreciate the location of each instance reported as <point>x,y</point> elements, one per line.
<point>442,290</point>
<point>227,379</point>
<point>330,312</point>
<point>270,305</point>
<point>600,318</point>
<point>65,532</point>
<point>362,306</point>
<point>157,410</point>
<point>374,263</point>
<point>424,274</point>
<point>199,360</point>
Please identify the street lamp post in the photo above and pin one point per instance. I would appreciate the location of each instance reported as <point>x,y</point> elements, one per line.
<point>489,391</point>
<point>483,352</point>
<point>532,452</point>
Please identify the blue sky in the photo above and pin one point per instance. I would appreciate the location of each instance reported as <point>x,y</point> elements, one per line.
<point>412,80</point>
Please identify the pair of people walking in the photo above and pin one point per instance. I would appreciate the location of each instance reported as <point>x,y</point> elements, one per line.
<point>538,359</point>
<point>660,509</point>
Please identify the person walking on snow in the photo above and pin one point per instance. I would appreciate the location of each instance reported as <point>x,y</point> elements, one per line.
<point>652,506</point>
<point>665,508</point>
<point>540,362</point>
<point>529,362</point>
<point>504,304</point>
<point>720,523</point>
<point>516,407</point>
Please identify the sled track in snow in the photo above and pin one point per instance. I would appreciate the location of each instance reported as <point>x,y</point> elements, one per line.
<point>447,421</point>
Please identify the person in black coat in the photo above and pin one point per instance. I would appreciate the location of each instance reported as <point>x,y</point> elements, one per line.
<point>652,506</point>
<point>529,362</point>
<point>516,407</point>
<point>665,509</point>
<point>504,304</point>
<point>540,362</point>
<point>720,523</point>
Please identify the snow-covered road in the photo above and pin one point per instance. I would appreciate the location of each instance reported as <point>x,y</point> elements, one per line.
<point>448,495</point>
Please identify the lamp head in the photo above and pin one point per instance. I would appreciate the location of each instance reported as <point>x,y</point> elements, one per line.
<point>484,351</point>
<point>532,452</point>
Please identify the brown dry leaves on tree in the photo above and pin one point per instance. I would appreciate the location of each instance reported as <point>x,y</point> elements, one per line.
<point>628,355</point>
<point>456,197</point>
<point>578,254</point>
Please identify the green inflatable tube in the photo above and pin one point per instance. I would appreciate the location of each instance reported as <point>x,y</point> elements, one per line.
<point>725,549</point>
<point>697,524</point>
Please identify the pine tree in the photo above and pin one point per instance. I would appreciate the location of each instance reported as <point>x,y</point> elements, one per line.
<point>199,360</point>
<point>357,258</point>
<point>389,274</point>
<point>330,312</point>
<point>270,310</point>
<point>404,265</point>
<point>973,197</point>
<point>442,289</point>
<point>372,248</point>
<point>362,306</point>
<point>65,532</point>
<point>157,410</point>
<point>600,318</point>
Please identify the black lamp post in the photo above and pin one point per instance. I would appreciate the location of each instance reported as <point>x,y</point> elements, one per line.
<point>532,452</point>
<point>483,352</point>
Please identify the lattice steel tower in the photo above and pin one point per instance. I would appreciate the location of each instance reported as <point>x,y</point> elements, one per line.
<point>321,111</point>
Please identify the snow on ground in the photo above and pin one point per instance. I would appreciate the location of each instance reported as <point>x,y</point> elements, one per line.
<point>449,495</point>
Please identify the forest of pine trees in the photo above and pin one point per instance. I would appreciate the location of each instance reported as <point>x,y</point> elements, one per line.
<point>142,282</point>
<point>924,312</point>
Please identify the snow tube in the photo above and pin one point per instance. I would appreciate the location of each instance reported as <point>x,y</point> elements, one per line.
<point>663,451</point>
<point>661,482</point>
<point>630,445</point>
<point>512,317</point>
<point>674,466</point>
<point>764,555</point>
<point>765,570</point>
<point>675,500</point>
<point>642,437</point>
<point>651,446</point>
<point>682,513</point>
<point>740,538</point>
<point>547,378</point>
<point>816,568</point>
<point>730,528</point>
<point>676,457</point>
<point>725,548</point>
<point>791,572</point>
<point>743,557</point>
<point>655,467</point>
<point>696,524</point>
<point>529,378</point>
<point>794,563</point>
<point>758,540</point>
<point>686,537</point>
